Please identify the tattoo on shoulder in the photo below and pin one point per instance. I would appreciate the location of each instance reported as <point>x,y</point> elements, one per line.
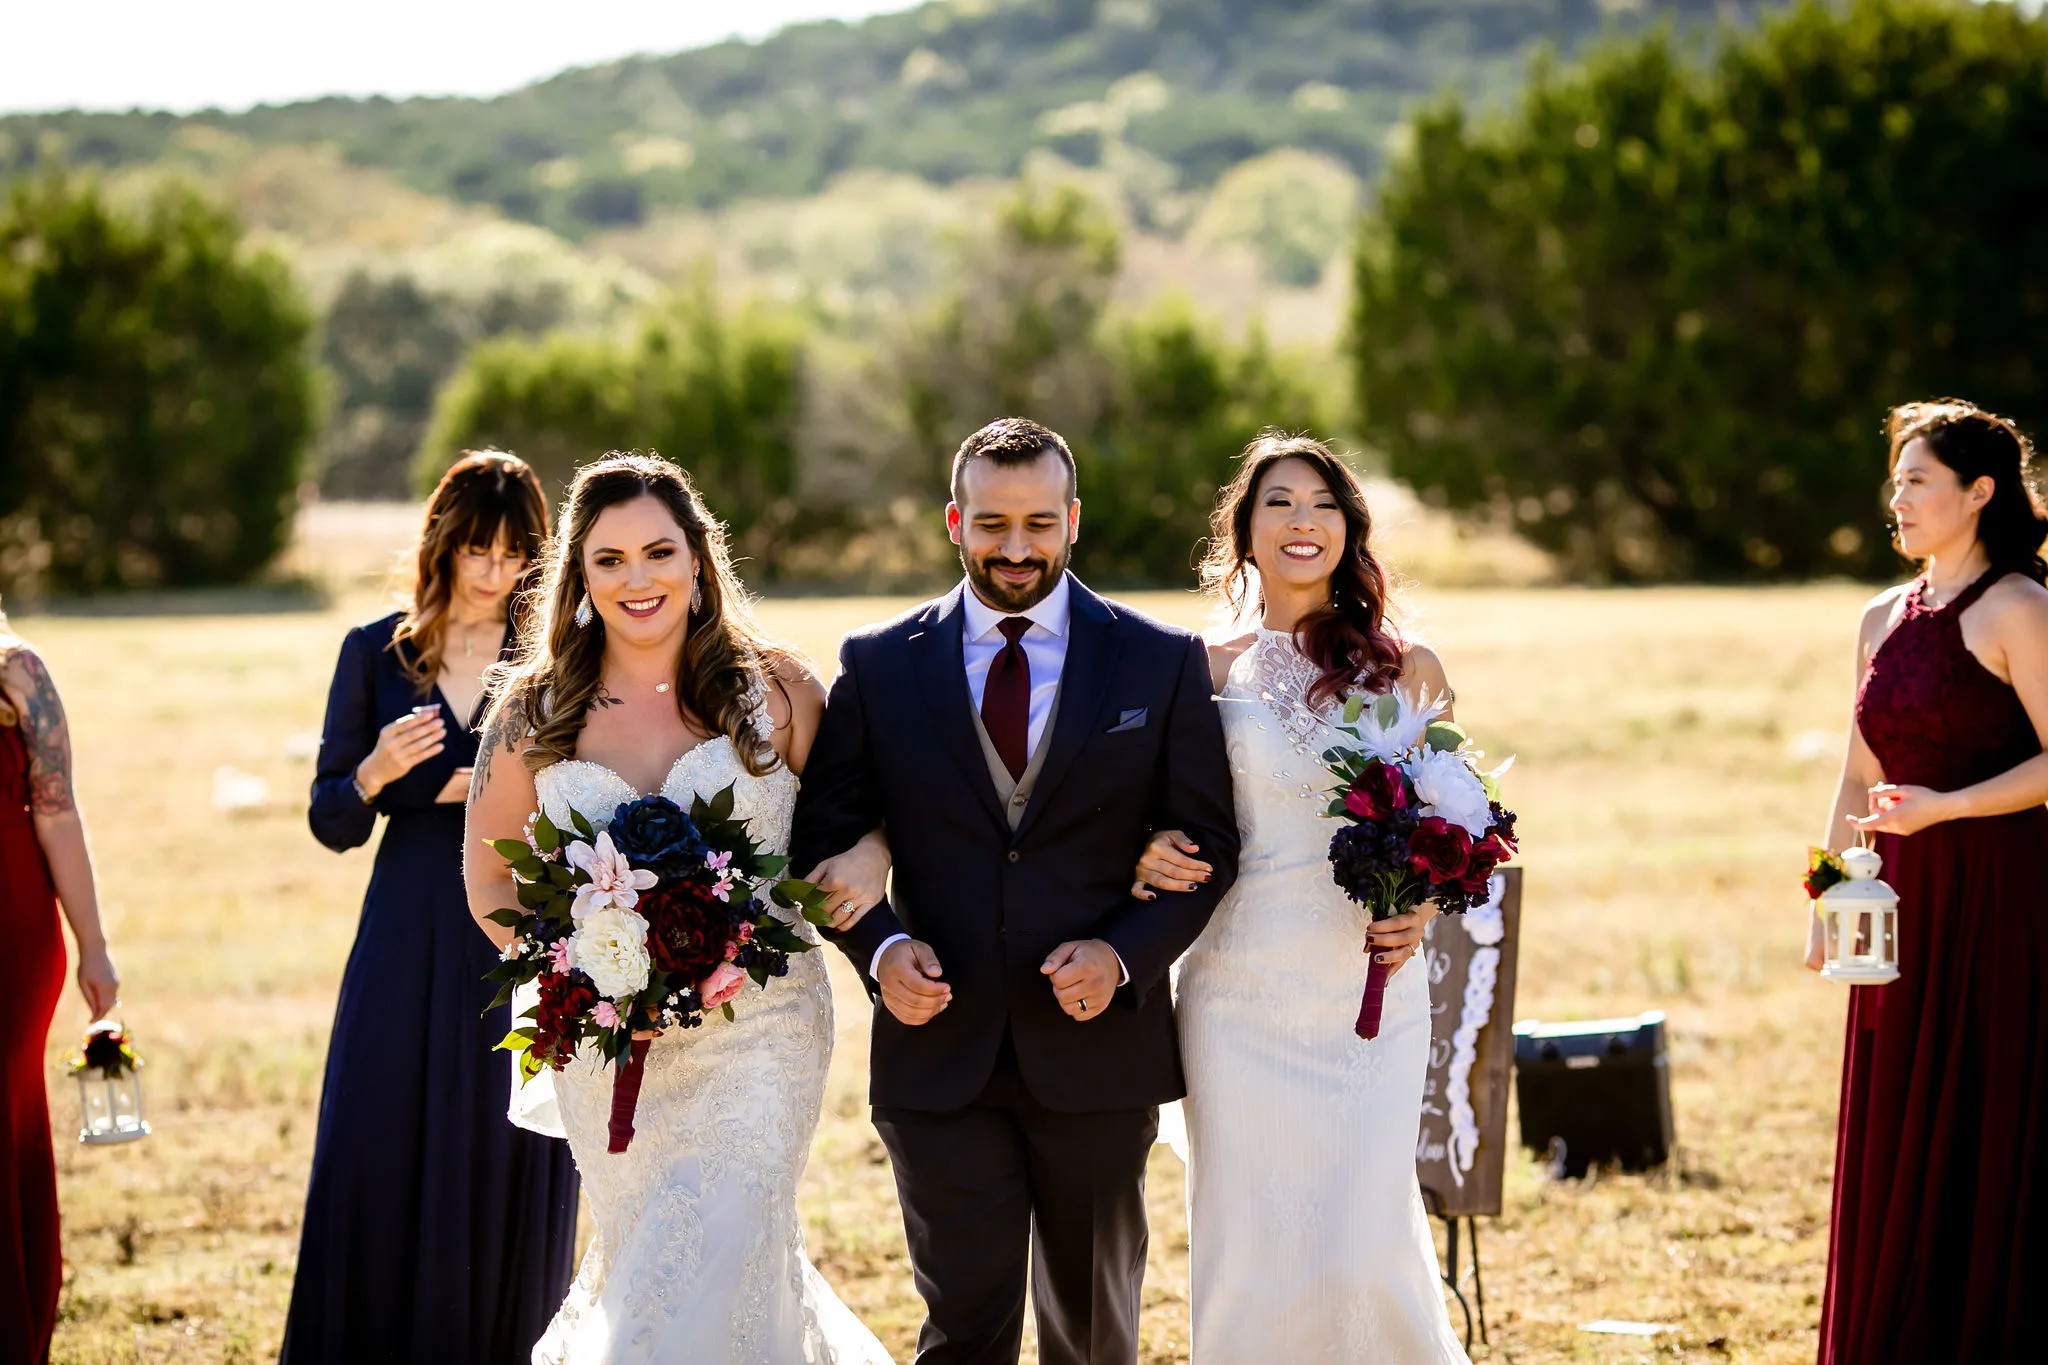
<point>504,730</point>
<point>47,736</point>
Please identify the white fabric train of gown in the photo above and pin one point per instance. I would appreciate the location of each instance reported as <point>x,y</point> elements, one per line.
<point>699,1256</point>
<point>1308,1240</point>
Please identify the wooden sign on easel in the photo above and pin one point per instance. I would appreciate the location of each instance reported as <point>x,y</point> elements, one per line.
<point>1461,1151</point>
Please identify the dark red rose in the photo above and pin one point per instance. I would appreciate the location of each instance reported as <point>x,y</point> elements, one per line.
<point>1380,791</point>
<point>564,1000</point>
<point>1487,854</point>
<point>687,928</point>
<point>1439,850</point>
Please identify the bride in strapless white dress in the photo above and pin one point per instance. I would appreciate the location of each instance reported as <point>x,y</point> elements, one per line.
<point>698,1254</point>
<point>634,654</point>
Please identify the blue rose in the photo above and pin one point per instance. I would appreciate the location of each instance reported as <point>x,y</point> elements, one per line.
<point>657,834</point>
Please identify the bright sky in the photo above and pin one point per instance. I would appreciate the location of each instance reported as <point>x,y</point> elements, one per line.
<point>183,55</point>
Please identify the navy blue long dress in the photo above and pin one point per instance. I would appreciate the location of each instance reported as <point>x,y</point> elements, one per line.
<point>434,1229</point>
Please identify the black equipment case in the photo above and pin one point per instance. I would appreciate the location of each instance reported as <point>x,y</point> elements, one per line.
<point>1595,1092</point>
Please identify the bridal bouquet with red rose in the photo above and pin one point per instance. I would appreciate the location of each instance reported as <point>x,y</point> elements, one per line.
<point>1421,821</point>
<point>650,923</point>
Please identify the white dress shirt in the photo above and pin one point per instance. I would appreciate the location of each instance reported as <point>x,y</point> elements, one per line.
<point>1045,649</point>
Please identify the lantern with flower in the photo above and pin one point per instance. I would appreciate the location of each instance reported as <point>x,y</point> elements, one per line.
<point>1859,917</point>
<point>109,1088</point>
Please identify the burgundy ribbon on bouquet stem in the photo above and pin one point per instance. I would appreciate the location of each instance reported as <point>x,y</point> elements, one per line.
<point>1376,974</point>
<point>626,1097</point>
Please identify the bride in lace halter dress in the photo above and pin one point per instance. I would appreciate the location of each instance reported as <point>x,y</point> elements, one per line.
<point>698,1254</point>
<point>1307,1237</point>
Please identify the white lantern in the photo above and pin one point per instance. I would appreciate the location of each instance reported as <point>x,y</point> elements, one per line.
<point>1859,923</point>
<point>109,1087</point>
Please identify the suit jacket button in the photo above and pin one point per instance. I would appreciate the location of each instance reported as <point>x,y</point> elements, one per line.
<point>1015,855</point>
<point>1019,799</point>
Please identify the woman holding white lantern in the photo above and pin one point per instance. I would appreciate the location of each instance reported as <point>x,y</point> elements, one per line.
<point>1941,1176</point>
<point>43,864</point>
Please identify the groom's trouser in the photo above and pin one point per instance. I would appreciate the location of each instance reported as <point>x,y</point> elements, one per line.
<point>1006,1187</point>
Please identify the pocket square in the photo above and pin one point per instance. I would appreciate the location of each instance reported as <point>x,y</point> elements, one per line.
<point>1133,719</point>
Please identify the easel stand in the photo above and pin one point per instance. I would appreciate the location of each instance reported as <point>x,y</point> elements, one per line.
<point>1452,1280</point>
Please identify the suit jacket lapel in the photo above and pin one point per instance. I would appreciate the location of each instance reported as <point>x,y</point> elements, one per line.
<point>1092,649</point>
<point>941,671</point>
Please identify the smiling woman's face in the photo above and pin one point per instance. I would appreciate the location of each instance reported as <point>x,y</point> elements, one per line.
<point>1297,528</point>
<point>639,569</point>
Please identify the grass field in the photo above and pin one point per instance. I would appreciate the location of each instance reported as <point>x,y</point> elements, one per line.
<point>1677,749</point>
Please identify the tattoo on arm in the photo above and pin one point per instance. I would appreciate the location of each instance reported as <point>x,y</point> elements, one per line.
<point>47,736</point>
<point>505,729</point>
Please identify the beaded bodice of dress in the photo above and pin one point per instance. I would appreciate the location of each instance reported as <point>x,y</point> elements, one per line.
<point>1931,712</point>
<point>1276,740</point>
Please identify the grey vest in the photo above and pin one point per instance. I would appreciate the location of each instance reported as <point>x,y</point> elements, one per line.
<point>1015,792</point>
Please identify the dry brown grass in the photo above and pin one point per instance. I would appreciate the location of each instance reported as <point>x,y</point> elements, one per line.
<point>1669,778</point>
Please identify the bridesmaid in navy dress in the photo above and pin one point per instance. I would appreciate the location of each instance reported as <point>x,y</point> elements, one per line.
<point>1940,1230</point>
<point>434,1229</point>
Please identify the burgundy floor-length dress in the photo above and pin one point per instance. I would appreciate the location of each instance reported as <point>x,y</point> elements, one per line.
<point>31,981</point>
<point>1940,1232</point>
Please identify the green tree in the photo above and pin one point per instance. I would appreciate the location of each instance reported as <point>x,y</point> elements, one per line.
<point>156,393</point>
<point>1154,405</point>
<point>1659,311</point>
<point>719,393</point>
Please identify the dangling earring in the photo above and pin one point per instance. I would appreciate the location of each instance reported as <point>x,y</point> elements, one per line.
<point>583,611</point>
<point>696,595</point>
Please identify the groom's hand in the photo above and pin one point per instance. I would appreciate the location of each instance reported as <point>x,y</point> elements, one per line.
<point>909,977</point>
<point>1084,975</point>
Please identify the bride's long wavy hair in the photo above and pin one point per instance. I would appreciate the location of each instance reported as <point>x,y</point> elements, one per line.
<point>1350,640</point>
<point>552,681</point>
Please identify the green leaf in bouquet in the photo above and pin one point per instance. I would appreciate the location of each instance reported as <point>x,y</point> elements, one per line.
<point>1445,737</point>
<point>500,1000</point>
<point>529,1067</point>
<point>583,827</point>
<point>721,805</point>
<point>506,916</point>
<point>546,834</point>
<point>760,975</point>
<point>559,876</point>
<point>511,850</point>
<point>1386,709</point>
<point>1354,707</point>
<point>518,1040</point>
<point>726,1010</point>
<point>534,895</point>
<point>770,865</point>
<point>1490,784</point>
<point>529,868</point>
<point>776,934</point>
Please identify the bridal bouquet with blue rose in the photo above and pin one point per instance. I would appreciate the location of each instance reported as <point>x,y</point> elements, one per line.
<point>650,922</point>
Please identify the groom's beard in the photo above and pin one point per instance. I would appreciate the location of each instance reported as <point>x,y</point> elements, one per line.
<point>1008,597</point>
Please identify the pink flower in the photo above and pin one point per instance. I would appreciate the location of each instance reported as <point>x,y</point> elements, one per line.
<point>559,953</point>
<point>719,861</point>
<point>614,882</point>
<point>606,1014</point>
<point>722,985</point>
<point>746,934</point>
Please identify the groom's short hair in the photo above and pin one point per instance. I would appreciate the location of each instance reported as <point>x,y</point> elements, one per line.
<point>1012,441</point>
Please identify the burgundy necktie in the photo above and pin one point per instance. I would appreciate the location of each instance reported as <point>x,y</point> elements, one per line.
<point>1006,698</point>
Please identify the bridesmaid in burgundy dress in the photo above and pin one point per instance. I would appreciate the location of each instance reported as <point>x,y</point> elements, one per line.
<point>1940,1230</point>
<point>43,862</point>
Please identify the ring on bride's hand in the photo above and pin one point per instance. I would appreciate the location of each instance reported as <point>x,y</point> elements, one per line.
<point>1084,1004</point>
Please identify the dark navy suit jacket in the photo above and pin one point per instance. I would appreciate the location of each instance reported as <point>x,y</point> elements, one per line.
<point>898,748</point>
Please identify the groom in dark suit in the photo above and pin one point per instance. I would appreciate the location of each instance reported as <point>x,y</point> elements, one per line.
<point>1020,738</point>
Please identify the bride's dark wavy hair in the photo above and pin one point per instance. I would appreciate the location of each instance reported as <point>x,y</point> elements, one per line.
<point>553,680</point>
<point>1350,639</point>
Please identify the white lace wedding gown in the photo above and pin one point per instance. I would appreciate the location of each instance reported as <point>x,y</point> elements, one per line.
<point>698,1256</point>
<point>1308,1241</point>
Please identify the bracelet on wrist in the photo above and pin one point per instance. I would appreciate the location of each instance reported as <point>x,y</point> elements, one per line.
<point>355,779</point>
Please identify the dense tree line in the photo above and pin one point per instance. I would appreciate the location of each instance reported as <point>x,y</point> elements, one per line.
<point>1658,311</point>
<point>942,91</point>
